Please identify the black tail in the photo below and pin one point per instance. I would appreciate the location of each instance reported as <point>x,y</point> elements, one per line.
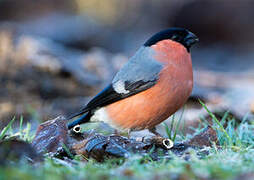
<point>75,115</point>
<point>82,119</point>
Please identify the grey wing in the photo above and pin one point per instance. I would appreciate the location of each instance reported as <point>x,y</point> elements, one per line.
<point>140,73</point>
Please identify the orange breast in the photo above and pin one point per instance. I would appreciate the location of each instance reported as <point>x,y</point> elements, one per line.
<point>149,108</point>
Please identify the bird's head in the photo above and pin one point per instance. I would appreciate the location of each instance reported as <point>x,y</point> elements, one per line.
<point>180,35</point>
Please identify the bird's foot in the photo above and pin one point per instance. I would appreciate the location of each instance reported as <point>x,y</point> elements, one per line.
<point>166,142</point>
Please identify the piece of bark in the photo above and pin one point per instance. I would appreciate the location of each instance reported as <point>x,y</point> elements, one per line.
<point>50,136</point>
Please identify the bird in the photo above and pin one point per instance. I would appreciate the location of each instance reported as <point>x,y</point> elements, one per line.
<point>154,83</point>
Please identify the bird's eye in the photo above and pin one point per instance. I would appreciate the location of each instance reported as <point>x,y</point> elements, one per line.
<point>174,37</point>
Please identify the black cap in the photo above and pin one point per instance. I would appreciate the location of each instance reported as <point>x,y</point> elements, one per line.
<point>181,35</point>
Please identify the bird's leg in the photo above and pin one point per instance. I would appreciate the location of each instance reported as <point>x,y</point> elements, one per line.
<point>129,133</point>
<point>153,130</point>
<point>116,132</point>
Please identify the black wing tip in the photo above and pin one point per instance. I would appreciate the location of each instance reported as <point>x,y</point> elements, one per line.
<point>72,124</point>
<point>107,96</point>
<point>82,119</point>
<point>83,111</point>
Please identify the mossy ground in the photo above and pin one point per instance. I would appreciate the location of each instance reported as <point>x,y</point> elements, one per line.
<point>230,159</point>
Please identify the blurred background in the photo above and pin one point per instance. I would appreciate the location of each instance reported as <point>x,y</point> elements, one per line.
<point>56,54</point>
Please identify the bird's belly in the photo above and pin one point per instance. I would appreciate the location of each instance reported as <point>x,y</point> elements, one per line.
<point>149,108</point>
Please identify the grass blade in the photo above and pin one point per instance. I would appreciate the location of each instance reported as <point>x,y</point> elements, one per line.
<point>172,125</point>
<point>167,130</point>
<point>178,124</point>
<point>4,131</point>
<point>27,131</point>
<point>217,121</point>
<point>224,118</point>
<point>20,125</point>
<point>66,149</point>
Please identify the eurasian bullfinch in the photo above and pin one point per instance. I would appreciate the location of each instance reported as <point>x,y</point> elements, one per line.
<point>150,87</point>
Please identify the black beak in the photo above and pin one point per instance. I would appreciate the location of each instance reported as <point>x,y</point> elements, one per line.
<point>191,39</point>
